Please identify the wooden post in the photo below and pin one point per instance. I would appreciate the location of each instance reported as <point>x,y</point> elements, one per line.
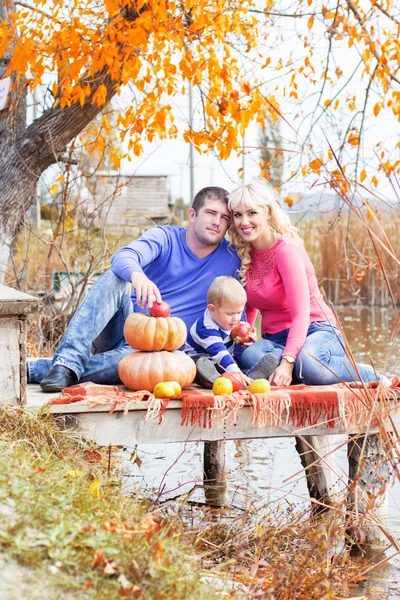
<point>369,473</point>
<point>214,478</point>
<point>14,307</point>
<point>319,466</point>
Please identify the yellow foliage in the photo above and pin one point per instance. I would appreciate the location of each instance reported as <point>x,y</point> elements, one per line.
<point>96,47</point>
<point>94,489</point>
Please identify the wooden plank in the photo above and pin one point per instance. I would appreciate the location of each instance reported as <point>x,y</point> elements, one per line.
<point>14,302</point>
<point>370,473</point>
<point>10,370</point>
<point>117,428</point>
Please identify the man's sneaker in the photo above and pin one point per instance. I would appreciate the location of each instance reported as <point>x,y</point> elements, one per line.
<point>58,378</point>
<point>265,367</point>
<point>206,372</point>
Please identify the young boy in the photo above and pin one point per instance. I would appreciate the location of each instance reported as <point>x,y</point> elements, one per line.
<point>209,342</point>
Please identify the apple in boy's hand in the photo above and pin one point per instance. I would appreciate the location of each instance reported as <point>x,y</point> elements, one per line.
<point>240,333</point>
<point>160,309</point>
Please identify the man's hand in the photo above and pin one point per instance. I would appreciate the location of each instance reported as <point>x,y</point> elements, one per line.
<point>283,374</point>
<point>146,291</point>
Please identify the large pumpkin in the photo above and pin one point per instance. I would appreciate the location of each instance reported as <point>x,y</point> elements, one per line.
<point>143,370</point>
<point>154,333</point>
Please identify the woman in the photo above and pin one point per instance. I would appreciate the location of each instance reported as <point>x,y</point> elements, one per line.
<point>298,327</point>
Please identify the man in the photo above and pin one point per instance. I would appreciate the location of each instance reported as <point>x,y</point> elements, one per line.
<point>170,263</point>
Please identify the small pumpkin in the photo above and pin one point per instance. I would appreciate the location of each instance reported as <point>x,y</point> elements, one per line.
<point>152,334</point>
<point>143,370</point>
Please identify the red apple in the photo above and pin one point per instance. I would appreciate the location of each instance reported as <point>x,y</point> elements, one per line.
<point>236,382</point>
<point>160,309</point>
<point>240,332</point>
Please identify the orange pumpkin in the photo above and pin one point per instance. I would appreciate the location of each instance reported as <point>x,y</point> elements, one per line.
<point>154,333</point>
<point>143,370</point>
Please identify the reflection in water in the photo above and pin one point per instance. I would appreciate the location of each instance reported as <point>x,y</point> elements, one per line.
<point>269,470</point>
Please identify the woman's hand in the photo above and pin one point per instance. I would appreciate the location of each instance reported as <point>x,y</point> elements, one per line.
<point>253,338</point>
<point>283,374</point>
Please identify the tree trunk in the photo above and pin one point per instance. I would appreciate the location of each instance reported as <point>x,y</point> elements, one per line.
<point>26,152</point>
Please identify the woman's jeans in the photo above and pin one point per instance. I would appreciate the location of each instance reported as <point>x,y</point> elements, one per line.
<point>94,342</point>
<point>321,361</point>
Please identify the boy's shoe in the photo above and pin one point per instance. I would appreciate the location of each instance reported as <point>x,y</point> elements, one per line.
<point>206,372</point>
<point>265,367</point>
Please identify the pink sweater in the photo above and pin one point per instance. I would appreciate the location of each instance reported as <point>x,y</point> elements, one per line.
<point>282,285</point>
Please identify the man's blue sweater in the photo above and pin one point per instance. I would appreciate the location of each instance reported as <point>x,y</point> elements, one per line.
<point>183,279</point>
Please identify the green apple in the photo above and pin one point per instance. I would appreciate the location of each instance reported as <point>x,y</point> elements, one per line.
<point>260,386</point>
<point>222,385</point>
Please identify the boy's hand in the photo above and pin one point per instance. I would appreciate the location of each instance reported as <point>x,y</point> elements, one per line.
<point>244,380</point>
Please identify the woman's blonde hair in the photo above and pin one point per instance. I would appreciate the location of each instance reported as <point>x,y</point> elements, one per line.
<point>226,289</point>
<point>255,195</point>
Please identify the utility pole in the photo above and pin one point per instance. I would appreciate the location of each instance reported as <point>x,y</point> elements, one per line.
<point>35,116</point>
<point>243,161</point>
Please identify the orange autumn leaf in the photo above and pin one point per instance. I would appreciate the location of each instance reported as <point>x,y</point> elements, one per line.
<point>150,525</point>
<point>316,164</point>
<point>363,175</point>
<point>289,201</point>
<point>98,557</point>
<point>377,109</point>
<point>157,551</point>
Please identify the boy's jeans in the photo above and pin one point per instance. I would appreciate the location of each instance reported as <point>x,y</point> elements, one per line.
<point>321,361</point>
<point>94,342</point>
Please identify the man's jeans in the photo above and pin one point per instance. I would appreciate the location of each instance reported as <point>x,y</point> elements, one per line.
<point>94,342</point>
<point>321,361</point>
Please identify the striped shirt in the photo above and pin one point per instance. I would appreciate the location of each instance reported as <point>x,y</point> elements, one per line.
<point>206,338</point>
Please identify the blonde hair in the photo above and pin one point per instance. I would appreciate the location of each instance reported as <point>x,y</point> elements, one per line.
<point>226,289</point>
<point>255,195</point>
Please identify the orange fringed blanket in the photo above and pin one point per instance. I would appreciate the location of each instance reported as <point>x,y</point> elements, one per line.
<point>298,405</point>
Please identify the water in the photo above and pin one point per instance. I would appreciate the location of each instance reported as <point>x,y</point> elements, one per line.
<point>269,470</point>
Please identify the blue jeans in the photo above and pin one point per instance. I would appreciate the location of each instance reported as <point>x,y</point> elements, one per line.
<point>321,361</point>
<point>94,342</point>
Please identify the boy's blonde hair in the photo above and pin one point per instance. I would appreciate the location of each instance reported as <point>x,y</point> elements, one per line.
<point>226,289</point>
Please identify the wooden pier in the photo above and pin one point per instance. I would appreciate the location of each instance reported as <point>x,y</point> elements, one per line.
<point>368,466</point>
<point>109,425</point>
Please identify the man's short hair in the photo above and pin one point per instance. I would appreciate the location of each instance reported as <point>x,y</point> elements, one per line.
<point>213,193</point>
<point>226,289</point>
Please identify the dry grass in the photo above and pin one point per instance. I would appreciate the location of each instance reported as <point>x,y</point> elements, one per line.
<point>346,262</point>
<point>65,519</point>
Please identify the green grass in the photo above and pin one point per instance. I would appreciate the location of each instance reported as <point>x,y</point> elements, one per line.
<point>65,521</point>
